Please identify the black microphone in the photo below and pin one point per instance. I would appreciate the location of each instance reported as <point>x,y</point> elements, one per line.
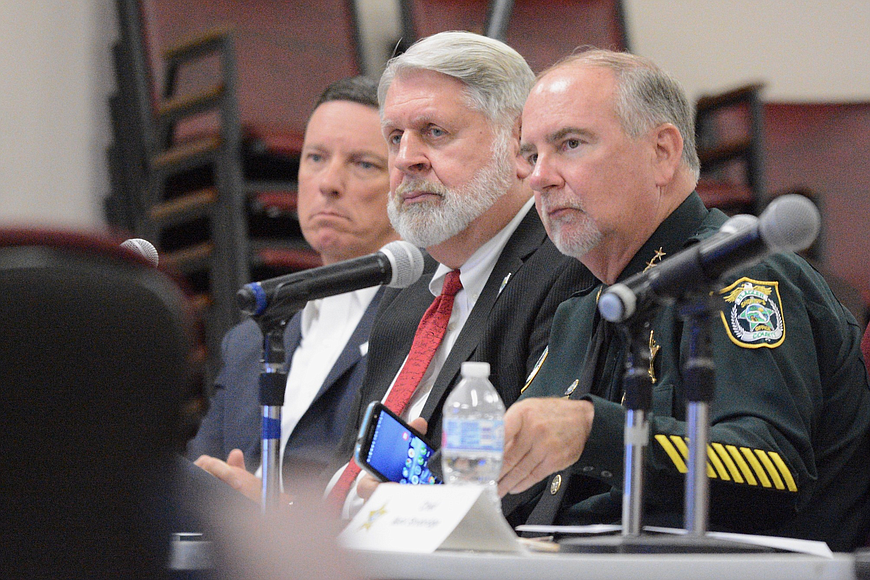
<point>790,223</point>
<point>144,248</point>
<point>398,264</point>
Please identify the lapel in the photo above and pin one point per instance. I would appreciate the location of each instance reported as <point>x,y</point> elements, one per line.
<point>292,336</point>
<point>525,240</point>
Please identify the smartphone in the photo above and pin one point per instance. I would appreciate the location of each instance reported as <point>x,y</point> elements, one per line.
<point>390,450</point>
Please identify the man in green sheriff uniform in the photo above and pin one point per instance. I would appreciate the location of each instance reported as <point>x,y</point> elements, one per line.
<point>609,140</point>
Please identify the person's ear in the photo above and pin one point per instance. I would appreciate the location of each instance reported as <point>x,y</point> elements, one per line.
<point>668,145</point>
<point>521,167</point>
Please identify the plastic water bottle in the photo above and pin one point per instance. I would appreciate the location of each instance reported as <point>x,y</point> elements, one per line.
<point>472,439</point>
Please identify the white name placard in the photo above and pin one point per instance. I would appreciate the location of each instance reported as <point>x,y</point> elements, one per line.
<point>425,518</point>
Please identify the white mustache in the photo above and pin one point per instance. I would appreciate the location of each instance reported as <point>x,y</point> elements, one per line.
<point>421,186</point>
<point>549,207</point>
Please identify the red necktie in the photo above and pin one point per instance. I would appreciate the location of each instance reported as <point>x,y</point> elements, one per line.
<point>429,334</point>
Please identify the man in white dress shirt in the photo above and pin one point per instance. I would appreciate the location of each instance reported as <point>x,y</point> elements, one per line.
<point>343,184</point>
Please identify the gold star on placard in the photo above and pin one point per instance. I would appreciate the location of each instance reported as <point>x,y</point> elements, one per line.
<point>655,259</point>
<point>374,515</point>
<point>654,349</point>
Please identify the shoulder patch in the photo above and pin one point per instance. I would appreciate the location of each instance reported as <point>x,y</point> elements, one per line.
<point>753,313</point>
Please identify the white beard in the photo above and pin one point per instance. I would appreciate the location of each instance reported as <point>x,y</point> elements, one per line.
<point>428,224</point>
<point>575,239</point>
<point>574,235</point>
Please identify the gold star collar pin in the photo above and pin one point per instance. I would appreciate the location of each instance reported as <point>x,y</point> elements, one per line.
<point>657,257</point>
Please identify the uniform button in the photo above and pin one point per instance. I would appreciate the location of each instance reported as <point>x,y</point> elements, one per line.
<point>588,468</point>
<point>556,484</point>
<point>606,474</point>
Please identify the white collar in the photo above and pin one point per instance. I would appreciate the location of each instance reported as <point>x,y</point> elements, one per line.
<point>476,270</point>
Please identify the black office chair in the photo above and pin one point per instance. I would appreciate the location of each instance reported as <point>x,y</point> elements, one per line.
<point>97,389</point>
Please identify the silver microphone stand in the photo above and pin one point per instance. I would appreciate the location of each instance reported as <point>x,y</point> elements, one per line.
<point>696,310</point>
<point>273,383</point>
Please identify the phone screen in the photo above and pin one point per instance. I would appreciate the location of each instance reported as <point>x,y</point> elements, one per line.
<point>395,451</point>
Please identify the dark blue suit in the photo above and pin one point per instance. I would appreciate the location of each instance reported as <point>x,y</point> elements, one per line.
<point>233,421</point>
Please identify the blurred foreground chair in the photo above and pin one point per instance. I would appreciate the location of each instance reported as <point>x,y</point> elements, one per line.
<point>98,387</point>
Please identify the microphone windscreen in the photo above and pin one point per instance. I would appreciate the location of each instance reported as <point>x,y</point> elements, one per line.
<point>144,248</point>
<point>737,223</point>
<point>406,261</point>
<point>790,223</point>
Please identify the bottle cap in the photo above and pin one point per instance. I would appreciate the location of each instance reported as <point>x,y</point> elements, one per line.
<point>477,370</point>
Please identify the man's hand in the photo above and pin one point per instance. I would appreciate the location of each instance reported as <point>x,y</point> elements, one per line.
<point>233,473</point>
<point>542,436</point>
<point>368,484</point>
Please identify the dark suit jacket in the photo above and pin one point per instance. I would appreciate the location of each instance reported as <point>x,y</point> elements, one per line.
<point>509,326</point>
<point>234,419</point>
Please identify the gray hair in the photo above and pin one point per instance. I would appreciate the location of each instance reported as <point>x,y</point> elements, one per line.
<point>646,97</point>
<point>497,78</point>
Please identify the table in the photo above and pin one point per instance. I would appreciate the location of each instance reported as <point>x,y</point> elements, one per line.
<point>541,566</point>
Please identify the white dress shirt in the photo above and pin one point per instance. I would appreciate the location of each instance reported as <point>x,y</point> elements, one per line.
<point>473,274</point>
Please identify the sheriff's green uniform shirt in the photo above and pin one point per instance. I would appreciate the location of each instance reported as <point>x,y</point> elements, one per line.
<point>789,452</point>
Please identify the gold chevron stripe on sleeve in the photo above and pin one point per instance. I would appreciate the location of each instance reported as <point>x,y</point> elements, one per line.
<point>730,463</point>
<point>726,459</point>
<point>681,446</point>
<point>768,464</point>
<point>756,466</point>
<point>672,453</point>
<point>720,468</point>
<point>744,467</point>
<point>783,469</point>
<point>771,470</point>
<point>678,451</point>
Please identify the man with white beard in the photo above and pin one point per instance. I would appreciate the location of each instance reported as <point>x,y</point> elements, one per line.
<point>450,111</point>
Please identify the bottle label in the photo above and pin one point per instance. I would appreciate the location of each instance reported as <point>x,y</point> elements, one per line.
<point>474,435</point>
